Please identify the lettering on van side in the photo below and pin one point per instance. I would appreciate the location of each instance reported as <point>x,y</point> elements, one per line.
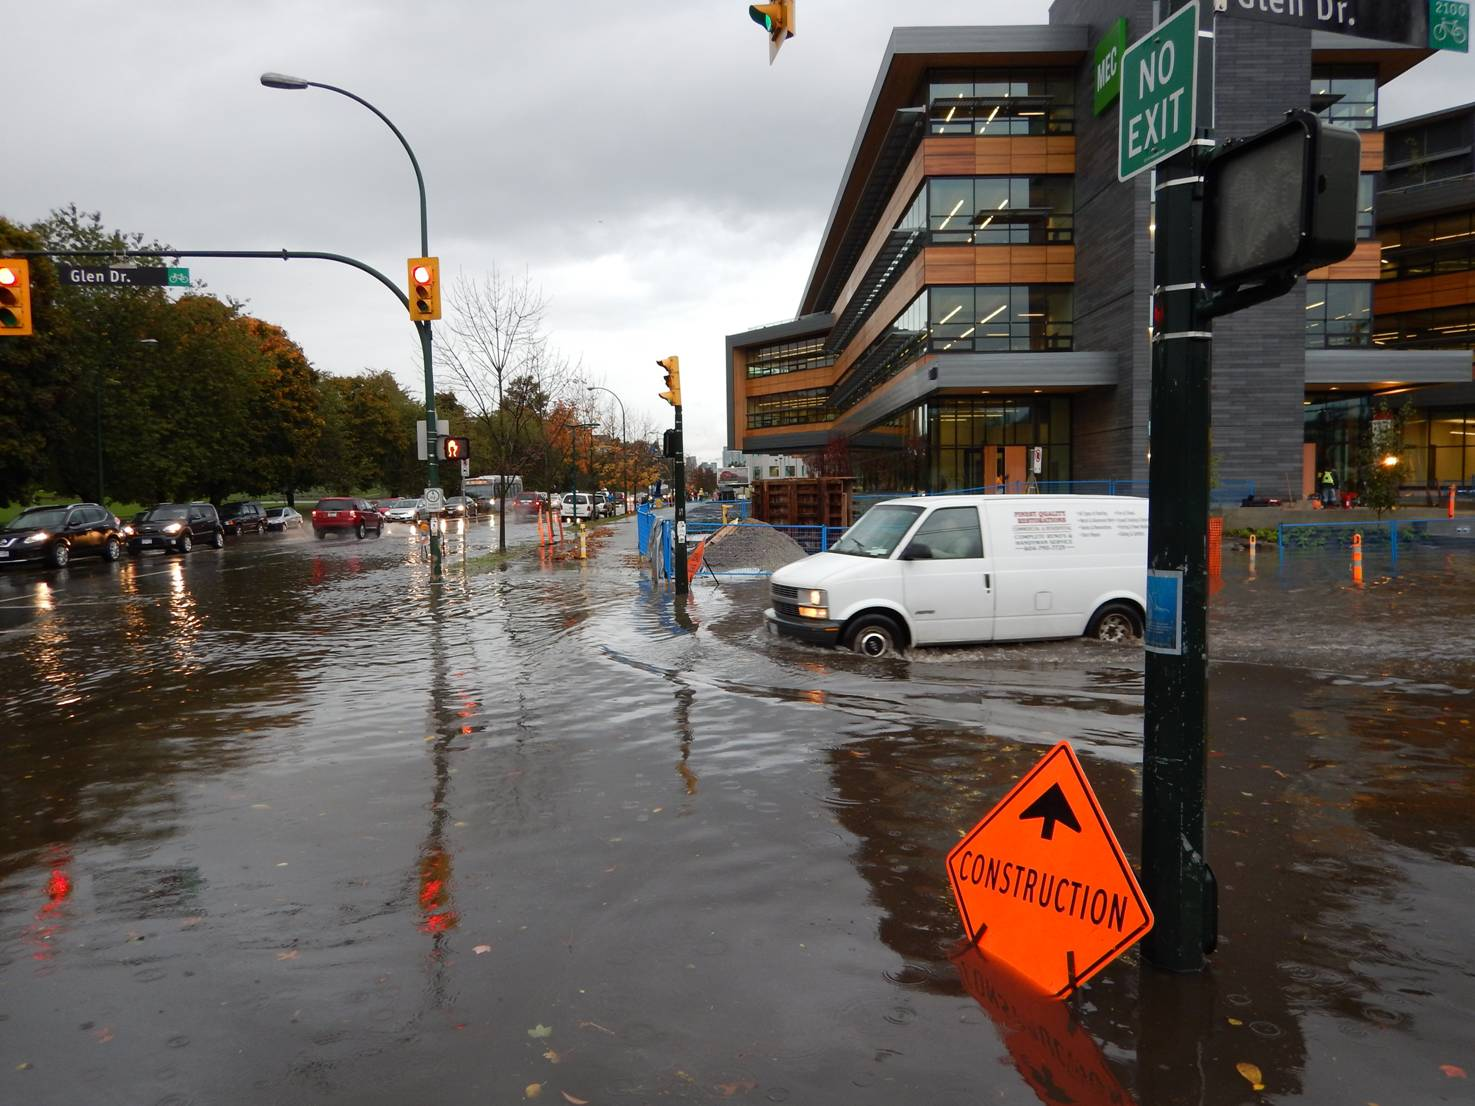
<point>1038,531</point>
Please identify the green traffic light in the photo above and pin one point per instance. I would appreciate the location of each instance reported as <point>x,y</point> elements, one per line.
<point>761,18</point>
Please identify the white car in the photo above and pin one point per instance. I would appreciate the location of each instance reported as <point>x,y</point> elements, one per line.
<point>404,510</point>
<point>581,505</point>
<point>972,568</point>
<point>283,518</point>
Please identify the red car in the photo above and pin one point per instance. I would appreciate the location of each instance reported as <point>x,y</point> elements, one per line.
<point>358,515</point>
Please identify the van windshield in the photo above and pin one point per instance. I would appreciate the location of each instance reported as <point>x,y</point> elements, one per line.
<point>878,531</point>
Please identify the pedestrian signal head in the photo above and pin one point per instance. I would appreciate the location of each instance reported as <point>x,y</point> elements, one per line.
<point>455,449</point>
<point>424,288</point>
<point>15,297</point>
<point>672,394</point>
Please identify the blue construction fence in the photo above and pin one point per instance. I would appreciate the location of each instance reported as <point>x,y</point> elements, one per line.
<point>1384,534</point>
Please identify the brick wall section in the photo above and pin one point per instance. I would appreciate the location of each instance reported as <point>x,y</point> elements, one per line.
<point>1259,354</point>
<point>1113,269</point>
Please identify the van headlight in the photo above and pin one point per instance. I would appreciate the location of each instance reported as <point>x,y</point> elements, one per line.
<point>816,597</point>
<point>814,612</point>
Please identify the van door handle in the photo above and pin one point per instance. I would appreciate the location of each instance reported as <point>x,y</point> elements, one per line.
<point>987,585</point>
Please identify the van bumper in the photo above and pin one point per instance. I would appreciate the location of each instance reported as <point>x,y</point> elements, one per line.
<point>816,631</point>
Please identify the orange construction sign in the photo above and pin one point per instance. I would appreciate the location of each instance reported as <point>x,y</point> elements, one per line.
<point>1042,883</point>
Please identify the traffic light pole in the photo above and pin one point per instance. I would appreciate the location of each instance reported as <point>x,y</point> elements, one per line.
<point>1175,874</point>
<point>679,469</point>
<point>432,447</point>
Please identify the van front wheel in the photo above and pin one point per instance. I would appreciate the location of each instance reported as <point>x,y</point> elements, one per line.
<point>873,635</point>
<point>1115,622</point>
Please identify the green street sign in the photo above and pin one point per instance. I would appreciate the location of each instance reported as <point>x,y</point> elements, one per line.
<point>1449,25</point>
<point>178,278</point>
<point>1159,81</point>
<point>1108,66</point>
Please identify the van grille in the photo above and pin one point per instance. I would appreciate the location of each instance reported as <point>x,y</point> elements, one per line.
<point>782,592</point>
<point>788,610</point>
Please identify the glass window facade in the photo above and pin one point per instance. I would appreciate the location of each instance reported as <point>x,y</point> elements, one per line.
<point>994,211</point>
<point>983,441</point>
<point>1440,443</point>
<point>1429,247</point>
<point>789,357</point>
<point>1001,318</point>
<point>789,408</point>
<point>1366,189</point>
<point>1436,328</point>
<point>1436,151</point>
<point>1346,96</point>
<point>997,102</point>
<point>1338,313</point>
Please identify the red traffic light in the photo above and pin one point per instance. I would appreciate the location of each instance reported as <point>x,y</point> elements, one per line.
<point>7,276</point>
<point>422,274</point>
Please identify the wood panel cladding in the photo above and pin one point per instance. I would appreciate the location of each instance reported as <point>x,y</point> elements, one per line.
<point>999,264</point>
<point>1394,297</point>
<point>967,156</point>
<point>1365,263</point>
<point>1012,156</point>
<point>1372,151</point>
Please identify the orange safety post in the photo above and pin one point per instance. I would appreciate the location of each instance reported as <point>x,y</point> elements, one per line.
<point>1357,559</point>
<point>1451,501</point>
<point>1216,545</point>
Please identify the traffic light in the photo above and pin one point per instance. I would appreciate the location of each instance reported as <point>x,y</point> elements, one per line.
<point>455,449</point>
<point>777,19</point>
<point>669,448</point>
<point>424,288</point>
<point>1280,203</point>
<point>15,297</point>
<point>672,394</point>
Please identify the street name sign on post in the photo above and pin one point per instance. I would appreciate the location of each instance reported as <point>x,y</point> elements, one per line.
<point>1431,24</point>
<point>1042,884</point>
<point>123,276</point>
<point>1159,88</point>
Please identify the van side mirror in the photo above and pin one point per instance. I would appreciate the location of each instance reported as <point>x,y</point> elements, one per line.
<point>917,551</point>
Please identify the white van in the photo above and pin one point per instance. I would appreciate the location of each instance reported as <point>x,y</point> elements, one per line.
<point>953,569</point>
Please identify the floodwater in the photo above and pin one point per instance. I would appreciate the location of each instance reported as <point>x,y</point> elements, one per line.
<point>287,824</point>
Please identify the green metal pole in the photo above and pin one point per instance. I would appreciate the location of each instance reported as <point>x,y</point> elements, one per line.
<point>432,446</point>
<point>1176,876</point>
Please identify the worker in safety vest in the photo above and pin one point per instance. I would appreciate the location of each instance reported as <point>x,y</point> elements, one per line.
<point>1328,488</point>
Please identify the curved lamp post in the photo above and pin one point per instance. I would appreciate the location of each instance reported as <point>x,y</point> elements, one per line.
<point>624,449</point>
<point>283,81</point>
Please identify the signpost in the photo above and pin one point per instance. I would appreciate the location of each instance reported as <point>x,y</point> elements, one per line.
<point>1432,24</point>
<point>1159,88</point>
<point>123,276</point>
<point>1042,884</point>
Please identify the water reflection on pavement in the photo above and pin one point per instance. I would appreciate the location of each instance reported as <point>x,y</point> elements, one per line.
<point>287,823</point>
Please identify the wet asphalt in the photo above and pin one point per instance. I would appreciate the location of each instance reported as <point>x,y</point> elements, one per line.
<point>287,823</point>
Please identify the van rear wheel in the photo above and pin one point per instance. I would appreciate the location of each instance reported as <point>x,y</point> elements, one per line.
<point>873,635</point>
<point>1116,622</point>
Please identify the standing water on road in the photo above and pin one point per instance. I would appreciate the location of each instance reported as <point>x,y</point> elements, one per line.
<point>289,823</point>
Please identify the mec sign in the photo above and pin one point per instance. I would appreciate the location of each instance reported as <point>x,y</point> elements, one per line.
<point>1159,74</point>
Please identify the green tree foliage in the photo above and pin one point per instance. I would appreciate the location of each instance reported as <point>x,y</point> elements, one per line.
<point>1382,460</point>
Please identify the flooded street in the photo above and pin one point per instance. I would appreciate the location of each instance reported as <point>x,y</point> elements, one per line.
<point>288,824</point>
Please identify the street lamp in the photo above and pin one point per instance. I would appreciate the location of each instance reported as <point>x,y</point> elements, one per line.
<point>574,435</point>
<point>624,450</point>
<point>283,81</point>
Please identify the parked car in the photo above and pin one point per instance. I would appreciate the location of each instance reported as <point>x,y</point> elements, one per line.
<point>403,510</point>
<point>248,516</point>
<point>460,506</point>
<point>966,568</point>
<point>283,518</point>
<point>583,505</point>
<point>177,526</point>
<point>56,534</point>
<point>356,515</point>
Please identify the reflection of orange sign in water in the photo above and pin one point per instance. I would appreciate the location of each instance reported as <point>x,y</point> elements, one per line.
<point>436,912</point>
<point>1056,1057</point>
<point>1042,883</point>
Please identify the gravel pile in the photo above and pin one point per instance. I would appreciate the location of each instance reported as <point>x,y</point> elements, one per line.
<point>751,546</point>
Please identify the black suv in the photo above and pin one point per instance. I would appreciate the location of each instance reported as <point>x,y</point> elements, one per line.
<point>243,518</point>
<point>57,534</point>
<point>176,526</point>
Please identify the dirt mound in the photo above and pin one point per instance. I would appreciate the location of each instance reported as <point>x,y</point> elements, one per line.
<point>751,547</point>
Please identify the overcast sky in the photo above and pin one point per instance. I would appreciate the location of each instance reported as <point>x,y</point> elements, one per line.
<point>662,183</point>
